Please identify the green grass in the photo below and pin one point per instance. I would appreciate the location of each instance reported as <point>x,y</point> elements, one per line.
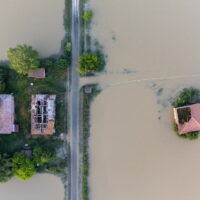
<point>86,100</point>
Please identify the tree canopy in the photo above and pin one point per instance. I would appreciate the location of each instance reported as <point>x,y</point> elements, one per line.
<point>41,156</point>
<point>187,97</point>
<point>5,168</point>
<point>89,63</point>
<point>2,78</point>
<point>87,15</point>
<point>23,167</point>
<point>23,59</point>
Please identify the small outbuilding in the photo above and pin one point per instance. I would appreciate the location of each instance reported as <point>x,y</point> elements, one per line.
<point>39,73</point>
<point>88,90</point>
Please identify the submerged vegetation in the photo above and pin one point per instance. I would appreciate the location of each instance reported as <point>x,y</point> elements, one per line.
<point>86,99</point>
<point>92,59</point>
<point>187,97</point>
<point>87,15</point>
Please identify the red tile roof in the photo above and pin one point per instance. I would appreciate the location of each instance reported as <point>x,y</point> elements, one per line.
<point>193,124</point>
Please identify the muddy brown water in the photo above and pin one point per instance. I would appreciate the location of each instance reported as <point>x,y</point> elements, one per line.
<point>134,153</point>
<point>40,187</point>
<point>38,23</point>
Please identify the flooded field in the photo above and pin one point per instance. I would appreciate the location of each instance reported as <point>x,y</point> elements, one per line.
<point>134,152</point>
<point>38,23</point>
<point>40,187</point>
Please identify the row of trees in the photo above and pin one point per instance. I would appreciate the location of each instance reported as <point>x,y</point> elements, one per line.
<point>24,59</point>
<point>21,166</point>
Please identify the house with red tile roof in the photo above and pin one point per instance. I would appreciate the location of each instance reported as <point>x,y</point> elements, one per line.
<point>187,118</point>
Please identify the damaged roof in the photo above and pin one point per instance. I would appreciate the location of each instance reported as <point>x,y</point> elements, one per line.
<point>43,114</point>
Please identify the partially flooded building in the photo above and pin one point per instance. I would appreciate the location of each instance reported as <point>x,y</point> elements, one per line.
<point>43,114</point>
<point>7,125</point>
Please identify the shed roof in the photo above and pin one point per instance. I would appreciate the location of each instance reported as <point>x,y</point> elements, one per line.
<point>39,73</point>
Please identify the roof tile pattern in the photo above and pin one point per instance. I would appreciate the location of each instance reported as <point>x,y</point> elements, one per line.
<point>194,123</point>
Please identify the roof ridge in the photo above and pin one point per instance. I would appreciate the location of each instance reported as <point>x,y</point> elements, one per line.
<point>195,120</point>
<point>188,123</point>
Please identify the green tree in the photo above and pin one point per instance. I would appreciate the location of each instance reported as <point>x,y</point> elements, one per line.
<point>187,97</point>
<point>23,59</point>
<point>5,168</point>
<point>23,167</point>
<point>89,63</point>
<point>2,79</point>
<point>87,15</point>
<point>41,156</point>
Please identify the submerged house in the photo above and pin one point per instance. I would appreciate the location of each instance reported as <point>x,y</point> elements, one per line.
<point>43,114</point>
<point>7,125</point>
<point>187,118</point>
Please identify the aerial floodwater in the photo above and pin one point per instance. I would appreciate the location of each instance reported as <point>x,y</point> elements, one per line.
<point>38,23</point>
<point>40,187</point>
<point>134,153</point>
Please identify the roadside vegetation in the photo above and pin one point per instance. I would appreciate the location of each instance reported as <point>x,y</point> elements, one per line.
<point>86,100</point>
<point>90,63</point>
<point>92,59</point>
<point>87,16</point>
<point>187,97</point>
<point>23,59</point>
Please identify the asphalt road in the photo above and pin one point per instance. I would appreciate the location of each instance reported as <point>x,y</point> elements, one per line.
<point>74,105</point>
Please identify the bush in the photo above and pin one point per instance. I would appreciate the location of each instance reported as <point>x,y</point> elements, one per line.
<point>23,167</point>
<point>5,168</point>
<point>87,15</point>
<point>89,63</point>
<point>190,135</point>
<point>175,127</point>
<point>187,97</point>
<point>41,156</point>
<point>23,59</point>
